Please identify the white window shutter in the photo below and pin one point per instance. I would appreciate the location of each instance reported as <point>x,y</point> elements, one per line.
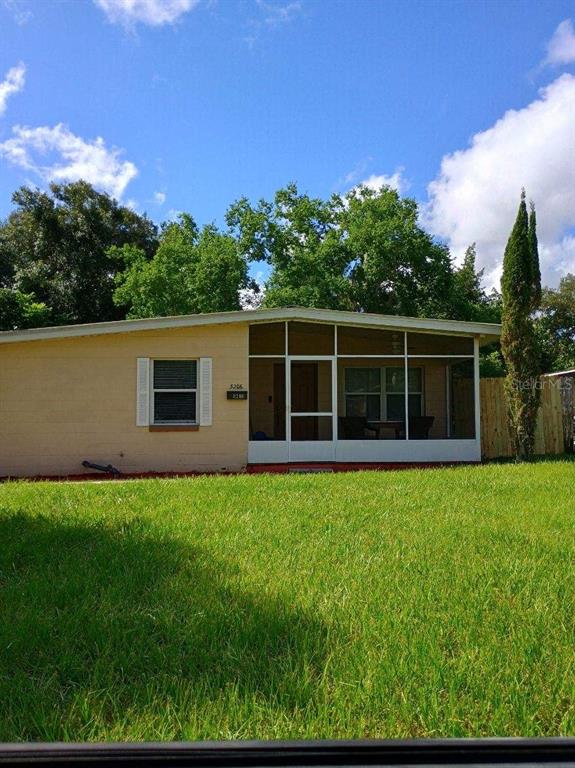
<point>143,392</point>
<point>205,391</point>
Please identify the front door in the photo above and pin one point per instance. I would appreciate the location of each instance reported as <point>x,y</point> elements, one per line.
<point>310,414</point>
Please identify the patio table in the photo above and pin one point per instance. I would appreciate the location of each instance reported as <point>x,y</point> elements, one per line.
<point>395,424</point>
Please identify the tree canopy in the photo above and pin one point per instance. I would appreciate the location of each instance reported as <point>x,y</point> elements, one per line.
<point>55,246</point>
<point>555,326</point>
<point>192,271</point>
<point>365,252</point>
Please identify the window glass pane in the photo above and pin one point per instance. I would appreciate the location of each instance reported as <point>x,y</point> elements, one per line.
<point>175,374</point>
<point>414,380</point>
<point>414,405</point>
<point>374,379</point>
<point>372,407</point>
<point>355,405</point>
<point>355,380</point>
<point>174,407</point>
<point>366,406</point>
<point>396,407</point>
<point>395,379</point>
<point>362,380</point>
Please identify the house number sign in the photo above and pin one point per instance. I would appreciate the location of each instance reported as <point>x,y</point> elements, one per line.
<point>237,392</point>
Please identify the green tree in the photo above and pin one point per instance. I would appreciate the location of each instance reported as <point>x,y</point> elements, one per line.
<point>192,271</point>
<point>534,249</point>
<point>364,252</point>
<point>55,245</point>
<point>395,266</point>
<point>21,310</point>
<point>555,326</point>
<point>467,279</point>
<point>518,340</point>
<point>300,238</point>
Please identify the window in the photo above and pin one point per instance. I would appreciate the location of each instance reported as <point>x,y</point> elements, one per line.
<point>379,393</point>
<point>395,392</point>
<point>174,391</point>
<point>363,392</point>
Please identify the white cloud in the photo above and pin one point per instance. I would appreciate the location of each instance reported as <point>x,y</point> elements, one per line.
<point>155,13</point>
<point>276,14</point>
<point>12,83</point>
<point>17,9</point>
<point>561,47</point>
<point>160,198</point>
<point>56,154</point>
<point>395,181</point>
<point>271,17</point>
<point>476,194</point>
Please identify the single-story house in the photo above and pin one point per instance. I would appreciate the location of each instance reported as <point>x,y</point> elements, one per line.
<point>219,392</point>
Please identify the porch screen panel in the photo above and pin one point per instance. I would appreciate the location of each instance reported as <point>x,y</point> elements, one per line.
<point>438,344</point>
<point>267,339</point>
<point>368,341</point>
<point>310,339</point>
<point>462,400</point>
<point>311,386</point>
<point>311,428</point>
<point>267,399</point>
<point>428,407</point>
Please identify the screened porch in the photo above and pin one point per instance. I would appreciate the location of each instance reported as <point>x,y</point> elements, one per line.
<point>321,391</point>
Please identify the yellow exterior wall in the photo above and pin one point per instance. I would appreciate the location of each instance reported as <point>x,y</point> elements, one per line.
<point>66,400</point>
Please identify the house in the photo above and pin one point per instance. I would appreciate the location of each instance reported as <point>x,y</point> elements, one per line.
<point>218,392</point>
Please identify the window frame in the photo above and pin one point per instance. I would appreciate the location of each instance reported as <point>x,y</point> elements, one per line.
<point>383,391</point>
<point>153,390</point>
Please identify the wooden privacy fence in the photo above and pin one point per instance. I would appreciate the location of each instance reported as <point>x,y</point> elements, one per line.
<point>549,434</point>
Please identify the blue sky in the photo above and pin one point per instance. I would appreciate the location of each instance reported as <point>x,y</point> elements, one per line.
<point>198,103</point>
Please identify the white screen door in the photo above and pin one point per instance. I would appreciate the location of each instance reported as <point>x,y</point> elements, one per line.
<point>311,388</point>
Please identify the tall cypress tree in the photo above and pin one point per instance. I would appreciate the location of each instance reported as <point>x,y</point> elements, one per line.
<point>520,287</point>
<point>534,247</point>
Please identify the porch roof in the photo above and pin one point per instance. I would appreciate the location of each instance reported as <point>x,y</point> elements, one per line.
<point>486,332</point>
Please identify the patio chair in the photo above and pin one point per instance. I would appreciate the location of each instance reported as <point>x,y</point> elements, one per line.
<point>420,426</point>
<point>356,428</point>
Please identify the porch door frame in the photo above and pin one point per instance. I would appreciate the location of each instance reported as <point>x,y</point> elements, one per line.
<point>311,450</point>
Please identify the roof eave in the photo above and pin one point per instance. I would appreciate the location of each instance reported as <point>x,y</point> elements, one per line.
<point>487,332</point>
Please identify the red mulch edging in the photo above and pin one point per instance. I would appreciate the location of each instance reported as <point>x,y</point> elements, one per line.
<point>251,469</point>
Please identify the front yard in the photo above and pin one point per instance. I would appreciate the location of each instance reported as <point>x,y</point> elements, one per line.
<point>393,604</point>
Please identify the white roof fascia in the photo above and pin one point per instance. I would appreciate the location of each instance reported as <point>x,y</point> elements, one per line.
<point>453,327</point>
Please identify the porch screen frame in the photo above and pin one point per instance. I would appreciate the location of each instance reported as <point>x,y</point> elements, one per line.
<point>336,357</point>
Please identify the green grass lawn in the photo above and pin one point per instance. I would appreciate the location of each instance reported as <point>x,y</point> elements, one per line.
<point>392,604</point>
